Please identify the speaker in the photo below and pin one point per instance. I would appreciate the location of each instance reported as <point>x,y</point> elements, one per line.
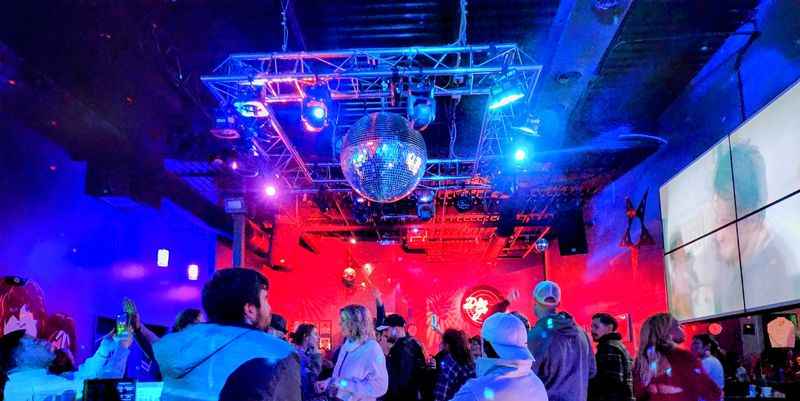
<point>571,231</point>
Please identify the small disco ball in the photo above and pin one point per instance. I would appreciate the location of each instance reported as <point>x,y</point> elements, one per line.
<point>542,244</point>
<point>383,158</point>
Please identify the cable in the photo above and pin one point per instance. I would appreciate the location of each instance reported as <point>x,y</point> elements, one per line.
<point>284,24</point>
<point>462,24</point>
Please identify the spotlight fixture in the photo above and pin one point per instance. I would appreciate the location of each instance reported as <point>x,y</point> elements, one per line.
<point>251,108</point>
<point>225,124</point>
<point>507,89</point>
<point>270,190</point>
<point>361,211</point>
<point>425,205</point>
<point>528,124</point>
<point>421,106</point>
<point>314,108</point>
<point>464,202</point>
<point>520,154</point>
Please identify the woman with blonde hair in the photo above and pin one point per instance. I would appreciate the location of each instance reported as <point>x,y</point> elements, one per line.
<point>664,372</point>
<point>360,370</point>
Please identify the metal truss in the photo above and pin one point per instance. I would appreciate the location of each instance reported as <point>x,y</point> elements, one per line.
<point>368,73</point>
<point>373,79</point>
<point>439,174</point>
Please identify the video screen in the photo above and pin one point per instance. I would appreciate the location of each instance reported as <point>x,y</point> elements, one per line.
<point>766,166</point>
<point>699,199</point>
<point>770,257</point>
<point>703,277</point>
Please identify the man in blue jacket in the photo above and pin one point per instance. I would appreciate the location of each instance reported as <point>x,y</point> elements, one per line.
<point>562,354</point>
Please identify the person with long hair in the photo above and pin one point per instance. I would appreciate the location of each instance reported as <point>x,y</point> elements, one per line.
<point>360,370</point>
<point>306,341</point>
<point>664,372</point>
<point>457,366</point>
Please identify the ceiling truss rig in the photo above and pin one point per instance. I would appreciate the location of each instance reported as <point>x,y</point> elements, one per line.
<point>363,74</point>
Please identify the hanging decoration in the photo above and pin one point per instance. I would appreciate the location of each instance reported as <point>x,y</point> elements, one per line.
<point>645,238</point>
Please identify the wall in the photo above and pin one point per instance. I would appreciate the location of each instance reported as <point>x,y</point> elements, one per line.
<point>412,285</point>
<point>85,253</point>
<point>616,279</point>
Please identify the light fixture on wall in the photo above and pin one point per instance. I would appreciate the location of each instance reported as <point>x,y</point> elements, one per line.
<point>193,272</point>
<point>162,258</point>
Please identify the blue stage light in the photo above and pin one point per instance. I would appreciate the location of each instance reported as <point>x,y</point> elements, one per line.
<point>520,154</point>
<point>506,90</point>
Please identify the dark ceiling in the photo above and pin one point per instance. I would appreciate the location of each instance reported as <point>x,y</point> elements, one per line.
<point>113,80</point>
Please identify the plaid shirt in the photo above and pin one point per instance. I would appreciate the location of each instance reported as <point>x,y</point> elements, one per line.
<point>452,376</point>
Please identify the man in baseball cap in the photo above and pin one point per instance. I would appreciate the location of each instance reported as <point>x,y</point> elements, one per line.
<point>405,362</point>
<point>562,353</point>
<point>504,371</point>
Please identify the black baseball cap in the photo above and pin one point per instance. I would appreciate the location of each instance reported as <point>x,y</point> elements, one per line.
<point>278,322</point>
<point>393,320</point>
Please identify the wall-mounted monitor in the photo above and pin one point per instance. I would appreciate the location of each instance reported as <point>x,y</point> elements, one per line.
<point>731,219</point>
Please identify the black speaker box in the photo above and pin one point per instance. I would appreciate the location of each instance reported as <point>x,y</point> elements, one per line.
<point>571,231</point>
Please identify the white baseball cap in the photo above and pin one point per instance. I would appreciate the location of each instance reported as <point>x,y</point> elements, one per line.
<point>547,293</point>
<point>507,335</point>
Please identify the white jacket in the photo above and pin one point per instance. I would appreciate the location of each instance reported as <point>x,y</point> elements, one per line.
<point>38,385</point>
<point>503,380</point>
<point>360,371</point>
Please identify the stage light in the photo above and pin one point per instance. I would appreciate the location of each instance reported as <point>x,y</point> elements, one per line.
<point>464,202</point>
<point>421,106</point>
<point>425,195</point>
<point>425,207</point>
<point>234,165</point>
<point>520,154</point>
<point>506,90</point>
<point>314,108</point>
<point>162,258</point>
<point>270,190</point>
<point>225,124</point>
<point>528,125</point>
<point>251,109</point>
<point>193,272</point>
<point>353,241</point>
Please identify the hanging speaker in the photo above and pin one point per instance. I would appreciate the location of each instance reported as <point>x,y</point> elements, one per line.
<point>571,232</point>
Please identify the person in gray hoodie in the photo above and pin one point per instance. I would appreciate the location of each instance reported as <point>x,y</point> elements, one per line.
<point>561,350</point>
<point>504,370</point>
<point>231,357</point>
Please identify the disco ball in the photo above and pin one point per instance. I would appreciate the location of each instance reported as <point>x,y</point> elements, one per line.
<point>382,158</point>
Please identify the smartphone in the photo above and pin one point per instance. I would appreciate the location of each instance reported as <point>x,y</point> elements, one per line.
<point>122,325</point>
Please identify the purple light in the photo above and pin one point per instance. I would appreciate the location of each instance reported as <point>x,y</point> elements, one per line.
<point>193,272</point>
<point>234,165</point>
<point>271,191</point>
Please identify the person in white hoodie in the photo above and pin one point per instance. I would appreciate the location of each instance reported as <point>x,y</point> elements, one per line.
<point>360,370</point>
<point>504,370</point>
<point>26,360</point>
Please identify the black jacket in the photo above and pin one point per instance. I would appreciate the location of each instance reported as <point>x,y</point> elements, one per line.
<point>406,367</point>
<point>614,380</point>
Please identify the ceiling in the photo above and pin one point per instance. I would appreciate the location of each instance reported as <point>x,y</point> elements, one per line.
<point>112,81</point>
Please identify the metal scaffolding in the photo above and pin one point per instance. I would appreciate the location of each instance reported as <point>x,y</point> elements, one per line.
<point>372,76</point>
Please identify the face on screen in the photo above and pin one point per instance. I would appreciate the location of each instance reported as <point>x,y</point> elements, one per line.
<point>727,244</point>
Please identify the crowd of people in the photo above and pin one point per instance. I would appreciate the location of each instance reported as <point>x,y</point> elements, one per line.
<point>237,349</point>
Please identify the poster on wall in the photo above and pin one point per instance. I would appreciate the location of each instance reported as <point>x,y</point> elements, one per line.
<point>22,307</point>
